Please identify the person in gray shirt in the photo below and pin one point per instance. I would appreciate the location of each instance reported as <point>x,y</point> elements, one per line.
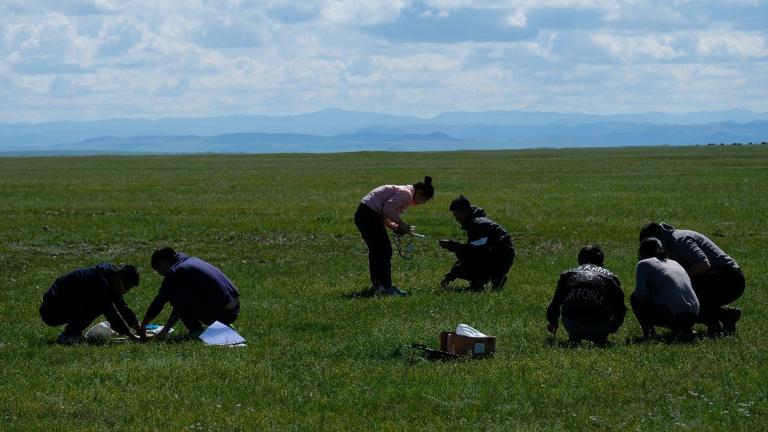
<point>716,278</point>
<point>663,293</point>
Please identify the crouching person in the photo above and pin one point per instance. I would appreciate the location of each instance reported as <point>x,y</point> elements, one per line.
<point>716,277</point>
<point>198,292</point>
<point>77,298</point>
<point>488,253</point>
<point>663,293</point>
<point>590,299</point>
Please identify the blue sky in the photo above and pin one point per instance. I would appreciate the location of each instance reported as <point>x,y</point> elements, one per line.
<point>95,59</point>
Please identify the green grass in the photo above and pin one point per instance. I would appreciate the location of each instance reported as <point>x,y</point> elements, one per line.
<point>281,226</point>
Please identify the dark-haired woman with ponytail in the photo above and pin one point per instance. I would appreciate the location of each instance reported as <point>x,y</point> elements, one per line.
<point>380,209</point>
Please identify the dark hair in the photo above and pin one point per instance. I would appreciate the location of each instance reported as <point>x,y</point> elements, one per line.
<point>651,247</point>
<point>129,275</point>
<point>461,202</point>
<point>651,229</point>
<point>163,254</point>
<point>591,254</point>
<point>425,187</point>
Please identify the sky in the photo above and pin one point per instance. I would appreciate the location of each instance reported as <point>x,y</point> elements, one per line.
<point>98,59</point>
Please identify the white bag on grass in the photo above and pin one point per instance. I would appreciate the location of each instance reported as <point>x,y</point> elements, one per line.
<point>100,331</point>
<point>465,330</point>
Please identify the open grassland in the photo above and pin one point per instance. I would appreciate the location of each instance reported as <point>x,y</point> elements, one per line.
<point>319,358</point>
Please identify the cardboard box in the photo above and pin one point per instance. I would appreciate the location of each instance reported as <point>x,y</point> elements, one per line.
<point>477,347</point>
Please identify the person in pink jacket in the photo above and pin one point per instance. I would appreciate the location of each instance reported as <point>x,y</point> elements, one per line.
<point>381,208</point>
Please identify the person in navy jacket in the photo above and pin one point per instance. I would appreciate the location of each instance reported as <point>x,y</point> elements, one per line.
<point>80,296</point>
<point>198,292</point>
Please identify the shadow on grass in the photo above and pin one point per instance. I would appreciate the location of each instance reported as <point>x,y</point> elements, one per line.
<point>117,341</point>
<point>666,338</point>
<point>672,339</point>
<point>464,289</point>
<point>571,344</point>
<point>368,292</point>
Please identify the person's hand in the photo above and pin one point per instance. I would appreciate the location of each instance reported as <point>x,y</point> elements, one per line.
<point>141,331</point>
<point>552,328</point>
<point>403,228</point>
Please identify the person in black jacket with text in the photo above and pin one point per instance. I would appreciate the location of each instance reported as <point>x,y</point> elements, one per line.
<point>488,253</point>
<point>590,298</point>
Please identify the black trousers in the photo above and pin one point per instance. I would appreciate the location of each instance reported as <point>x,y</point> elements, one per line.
<point>717,288</point>
<point>482,267</point>
<point>194,321</point>
<point>371,227</point>
<point>651,314</point>
<point>75,317</point>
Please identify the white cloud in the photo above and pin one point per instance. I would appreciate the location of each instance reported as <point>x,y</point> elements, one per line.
<point>50,44</point>
<point>737,44</point>
<point>108,58</point>
<point>656,47</point>
<point>518,19</point>
<point>361,12</point>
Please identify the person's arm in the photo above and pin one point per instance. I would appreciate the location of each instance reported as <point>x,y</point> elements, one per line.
<point>617,305</point>
<point>392,210</point>
<point>690,252</point>
<point>117,322</point>
<point>641,287</point>
<point>553,311</point>
<point>153,311</point>
<point>127,313</point>
<point>169,324</point>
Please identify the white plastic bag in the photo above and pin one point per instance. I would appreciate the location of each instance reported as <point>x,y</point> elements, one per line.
<point>101,330</point>
<point>465,330</point>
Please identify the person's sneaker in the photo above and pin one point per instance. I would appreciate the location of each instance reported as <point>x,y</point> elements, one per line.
<point>684,334</point>
<point>714,329</point>
<point>476,286</point>
<point>392,291</point>
<point>69,339</point>
<point>649,333</point>
<point>731,317</point>
<point>498,283</point>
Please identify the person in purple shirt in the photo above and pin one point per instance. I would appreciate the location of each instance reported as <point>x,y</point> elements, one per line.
<point>716,278</point>
<point>381,209</point>
<point>80,296</point>
<point>198,292</point>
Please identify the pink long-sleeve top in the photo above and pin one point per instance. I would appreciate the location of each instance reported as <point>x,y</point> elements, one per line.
<point>390,202</point>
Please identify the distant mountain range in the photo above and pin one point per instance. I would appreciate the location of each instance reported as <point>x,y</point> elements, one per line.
<point>335,130</point>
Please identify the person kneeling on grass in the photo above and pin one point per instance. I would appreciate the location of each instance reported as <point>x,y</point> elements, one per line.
<point>488,254</point>
<point>716,278</point>
<point>663,293</point>
<point>198,292</point>
<point>590,298</point>
<point>80,296</point>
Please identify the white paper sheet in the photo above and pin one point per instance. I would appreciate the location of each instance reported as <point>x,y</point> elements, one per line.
<point>221,334</point>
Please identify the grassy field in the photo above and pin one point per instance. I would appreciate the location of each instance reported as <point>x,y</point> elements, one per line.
<point>319,358</point>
